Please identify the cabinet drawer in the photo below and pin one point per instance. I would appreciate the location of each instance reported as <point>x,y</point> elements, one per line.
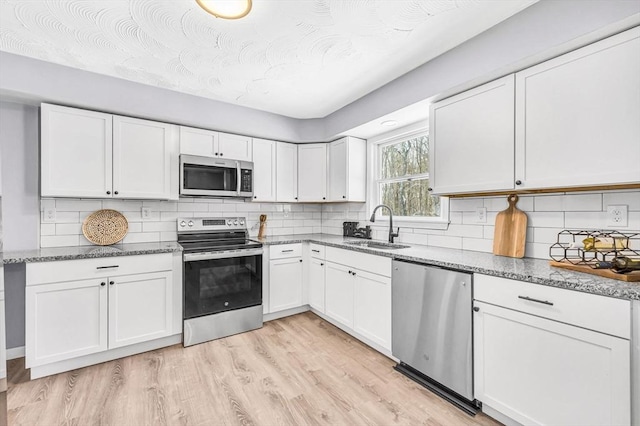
<point>599,313</point>
<point>283,251</point>
<point>73,270</point>
<point>367,262</point>
<point>317,251</point>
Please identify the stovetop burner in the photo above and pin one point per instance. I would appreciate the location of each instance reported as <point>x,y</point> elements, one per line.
<point>214,234</point>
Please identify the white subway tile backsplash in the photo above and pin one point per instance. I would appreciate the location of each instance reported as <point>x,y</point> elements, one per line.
<point>630,199</point>
<point>547,215</point>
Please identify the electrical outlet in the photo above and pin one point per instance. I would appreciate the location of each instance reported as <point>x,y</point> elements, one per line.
<point>49,215</point>
<point>617,216</point>
<point>481,215</point>
<point>146,213</point>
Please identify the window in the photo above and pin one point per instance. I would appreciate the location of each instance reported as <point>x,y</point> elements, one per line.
<point>402,179</point>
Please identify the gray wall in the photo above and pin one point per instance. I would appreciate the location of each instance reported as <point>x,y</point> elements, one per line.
<point>19,138</point>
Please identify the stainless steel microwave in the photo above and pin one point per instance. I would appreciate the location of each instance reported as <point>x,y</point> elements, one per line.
<point>215,177</point>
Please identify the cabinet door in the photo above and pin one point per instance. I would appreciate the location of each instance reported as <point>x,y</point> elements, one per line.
<point>316,284</point>
<point>471,140</point>
<point>577,117</point>
<point>264,170</point>
<point>286,172</point>
<point>75,152</point>
<point>347,165</point>
<point>372,307</point>
<point>339,293</point>
<point>337,176</point>
<point>285,284</point>
<point>542,372</point>
<point>65,320</point>
<point>235,147</point>
<point>140,308</point>
<point>198,142</point>
<point>142,154</point>
<point>312,172</point>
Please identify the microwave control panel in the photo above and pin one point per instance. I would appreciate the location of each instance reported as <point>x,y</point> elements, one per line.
<point>246,180</point>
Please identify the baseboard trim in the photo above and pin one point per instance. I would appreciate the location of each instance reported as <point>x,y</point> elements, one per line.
<point>286,313</point>
<point>15,353</point>
<point>3,386</point>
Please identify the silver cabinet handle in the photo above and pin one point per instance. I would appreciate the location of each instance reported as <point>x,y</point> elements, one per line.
<point>315,251</point>
<point>108,267</point>
<point>544,302</point>
<point>286,251</point>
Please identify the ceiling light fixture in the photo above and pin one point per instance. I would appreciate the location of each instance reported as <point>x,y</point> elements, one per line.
<point>389,123</point>
<point>226,9</point>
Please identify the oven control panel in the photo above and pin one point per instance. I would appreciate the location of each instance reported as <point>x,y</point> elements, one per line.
<point>191,224</point>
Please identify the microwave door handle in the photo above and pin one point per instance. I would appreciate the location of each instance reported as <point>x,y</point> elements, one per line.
<point>238,180</point>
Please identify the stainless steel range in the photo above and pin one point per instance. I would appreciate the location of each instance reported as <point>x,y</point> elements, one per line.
<point>222,278</point>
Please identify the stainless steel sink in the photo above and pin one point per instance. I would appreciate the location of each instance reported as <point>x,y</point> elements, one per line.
<point>377,245</point>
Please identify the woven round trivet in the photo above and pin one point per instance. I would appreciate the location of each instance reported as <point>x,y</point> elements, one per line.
<point>105,227</point>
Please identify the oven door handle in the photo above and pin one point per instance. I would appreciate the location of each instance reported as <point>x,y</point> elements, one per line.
<point>190,257</point>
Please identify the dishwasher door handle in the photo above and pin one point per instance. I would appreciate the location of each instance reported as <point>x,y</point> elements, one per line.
<point>544,302</point>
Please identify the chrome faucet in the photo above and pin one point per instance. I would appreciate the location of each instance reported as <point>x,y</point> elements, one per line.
<point>392,235</point>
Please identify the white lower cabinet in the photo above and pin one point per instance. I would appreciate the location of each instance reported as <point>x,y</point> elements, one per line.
<point>317,283</point>
<point>65,320</point>
<point>133,322</point>
<point>119,302</point>
<point>339,293</point>
<point>285,277</point>
<point>539,371</point>
<point>357,298</point>
<point>372,307</point>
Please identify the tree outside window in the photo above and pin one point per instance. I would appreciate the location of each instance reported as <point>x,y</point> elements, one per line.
<point>403,178</point>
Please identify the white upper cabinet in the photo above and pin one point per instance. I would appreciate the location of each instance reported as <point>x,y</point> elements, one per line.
<point>142,158</point>
<point>471,141</point>
<point>347,162</point>
<point>235,146</point>
<point>75,152</point>
<point>568,112</point>
<point>312,172</point>
<point>95,155</point>
<point>286,172</point>
<point>208,143</point>
<point>264,170</point>
<point>198,142</point>
<point>578,117</point>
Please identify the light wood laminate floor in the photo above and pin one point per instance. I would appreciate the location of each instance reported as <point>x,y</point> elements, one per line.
<point>298,370</point>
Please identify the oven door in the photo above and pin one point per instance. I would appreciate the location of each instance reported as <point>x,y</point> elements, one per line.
<point>208,176</point>
<point>219,282</point>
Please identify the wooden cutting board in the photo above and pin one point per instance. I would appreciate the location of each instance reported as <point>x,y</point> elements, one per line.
<point>510,231</point>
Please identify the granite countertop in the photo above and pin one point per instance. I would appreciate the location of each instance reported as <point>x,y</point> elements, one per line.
<point>88,252</point>
<point>535,271</point>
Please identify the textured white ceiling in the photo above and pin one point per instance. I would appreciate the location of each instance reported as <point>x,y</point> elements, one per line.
<point>299,58</point>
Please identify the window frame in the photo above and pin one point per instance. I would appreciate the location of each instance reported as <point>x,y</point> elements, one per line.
<point>375,146</point>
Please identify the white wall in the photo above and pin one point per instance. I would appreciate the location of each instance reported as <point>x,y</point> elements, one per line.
<point>547,215</point>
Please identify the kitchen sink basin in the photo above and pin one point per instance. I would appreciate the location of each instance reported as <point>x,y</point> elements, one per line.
<point>377,245</point>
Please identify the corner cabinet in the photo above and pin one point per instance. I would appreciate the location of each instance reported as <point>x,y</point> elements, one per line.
<point>541,357</point>
<point>471,141</point>
<point>347,170</point>
<point>312,172</point>
<point>80,308</point>
<point>553,139</point>
<point>95,155</point>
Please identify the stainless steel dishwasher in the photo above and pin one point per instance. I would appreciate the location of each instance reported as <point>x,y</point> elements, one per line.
<point>432,329</point>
